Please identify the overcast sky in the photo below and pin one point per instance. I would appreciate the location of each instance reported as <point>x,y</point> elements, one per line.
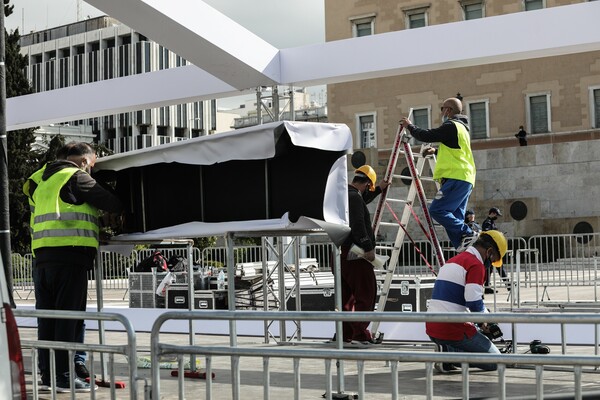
<point>283,23</point>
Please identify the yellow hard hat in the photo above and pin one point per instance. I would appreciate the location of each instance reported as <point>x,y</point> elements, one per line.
<point>370,173</point>
<point>501,242</point>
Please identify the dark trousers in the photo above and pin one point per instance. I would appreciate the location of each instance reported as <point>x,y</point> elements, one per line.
<point>60,288</point>
<point>359,291</point>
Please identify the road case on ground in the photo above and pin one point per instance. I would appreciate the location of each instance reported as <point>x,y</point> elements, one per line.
<point>314,298</point>
<point>409,294</point>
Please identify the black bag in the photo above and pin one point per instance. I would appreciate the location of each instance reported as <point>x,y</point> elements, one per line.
<point>156,260</point>
<point>177,264</point>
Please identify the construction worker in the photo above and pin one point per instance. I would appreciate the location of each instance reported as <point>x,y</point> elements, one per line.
<point>29,187</point>
<point>359,286</point>
<point>459,288</point>
<point>455,170</point>
<point>490,224</point>
<point>65,241</point>
<point>470,220</point>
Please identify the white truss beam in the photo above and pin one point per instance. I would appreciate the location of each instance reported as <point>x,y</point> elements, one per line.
<point>135,92</point>
<point>543,33</point>
<point>202,35</point>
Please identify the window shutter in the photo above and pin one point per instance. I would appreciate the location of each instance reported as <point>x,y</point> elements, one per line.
<point>539,114</point>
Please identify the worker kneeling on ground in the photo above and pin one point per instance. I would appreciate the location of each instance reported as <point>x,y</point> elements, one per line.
<point>459,288</point>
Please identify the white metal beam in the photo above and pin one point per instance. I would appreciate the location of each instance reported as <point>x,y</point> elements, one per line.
<point>202,35</point>
<point>135,92</point>
<point>511,37</point>
<point>543,33</point>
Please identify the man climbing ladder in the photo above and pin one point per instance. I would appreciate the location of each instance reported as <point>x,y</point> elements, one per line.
<point>455,170</point>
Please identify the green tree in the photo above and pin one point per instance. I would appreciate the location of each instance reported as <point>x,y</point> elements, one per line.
<point>21,160</point>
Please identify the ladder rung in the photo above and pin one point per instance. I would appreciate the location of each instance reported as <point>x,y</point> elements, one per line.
<point>423,178</point>
<point>398,176</point>
<point>389,223</point>
<point>397,200</point>
<point>387,247</point>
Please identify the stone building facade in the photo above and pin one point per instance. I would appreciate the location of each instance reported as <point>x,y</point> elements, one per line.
<point>556,99</point>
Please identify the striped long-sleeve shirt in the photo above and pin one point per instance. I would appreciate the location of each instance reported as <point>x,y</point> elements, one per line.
<point>458,288</point>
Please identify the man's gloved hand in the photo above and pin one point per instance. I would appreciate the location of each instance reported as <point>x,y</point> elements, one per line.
<point>428,151</point>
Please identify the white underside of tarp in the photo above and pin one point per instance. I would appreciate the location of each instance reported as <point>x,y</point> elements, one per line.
<point>276,227</point>
<point>254,143</point>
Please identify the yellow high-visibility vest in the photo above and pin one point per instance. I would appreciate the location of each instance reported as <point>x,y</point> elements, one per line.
<point>59,224</point>
<point>456,163</point>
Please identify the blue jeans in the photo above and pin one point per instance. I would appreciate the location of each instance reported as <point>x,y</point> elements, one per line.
<point>448,209</point>
<point>479,343</point>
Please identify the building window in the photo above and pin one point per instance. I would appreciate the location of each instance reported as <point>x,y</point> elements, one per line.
<point>93,66</point>
<point>50,73</point>
<point>63,72</point>
<point>367,131</point>
<point>531,5</point>
<point>78,71</point>
<point>472,9</point>
<point>142,57</point>
<point>124,60</point>
<point>420,118</point>
<point>163,58</point>
<point>538,113</point>
<point>416,17</point>
<point>108,63</point>
<point>363,26</point>
<point>478,119</point>
<point>595,106</point>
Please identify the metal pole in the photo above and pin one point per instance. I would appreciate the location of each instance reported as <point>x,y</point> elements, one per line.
<point>281,287</point>
<point>100,306</point>
<point>275,98</point>
<point>339,334</point>
<point>4,202</point>
<point>292,110</point>
<point>190,252</point>
<point>235,365</point>
<point>258,106</point>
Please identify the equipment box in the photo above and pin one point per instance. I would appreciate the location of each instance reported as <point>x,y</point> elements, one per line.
<point>315,298</point>
<point>177,297</point>
<point>409,294</point>
<point>143,285</point>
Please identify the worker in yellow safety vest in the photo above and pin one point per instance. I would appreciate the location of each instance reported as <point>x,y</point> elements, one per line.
<point>454,170</point>
<point>65,242</point>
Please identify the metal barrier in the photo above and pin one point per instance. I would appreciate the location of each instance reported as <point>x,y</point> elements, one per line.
<point>217,256</point>
<point>392,358</point>
<point>562,260</point>
<point>142,254</point>
<point>128,350</point>
<point>22,277</point>
<point>565,260</point>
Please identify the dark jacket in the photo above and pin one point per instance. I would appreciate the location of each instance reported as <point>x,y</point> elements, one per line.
<point>445,133</point>
<point>488,225</point>
<point>361,231</point>
<point>81,188</point>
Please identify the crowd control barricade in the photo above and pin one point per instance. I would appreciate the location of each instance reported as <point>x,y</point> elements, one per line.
<point>107,369</point>
<point>334,356</point>
<point>566,261</point>
<point>22,274</point>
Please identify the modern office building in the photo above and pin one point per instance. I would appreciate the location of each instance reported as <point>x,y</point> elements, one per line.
<point>103,48</point>
<point>546,186</point>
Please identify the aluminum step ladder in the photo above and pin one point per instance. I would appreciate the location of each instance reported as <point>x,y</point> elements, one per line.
<point>416,191</point>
